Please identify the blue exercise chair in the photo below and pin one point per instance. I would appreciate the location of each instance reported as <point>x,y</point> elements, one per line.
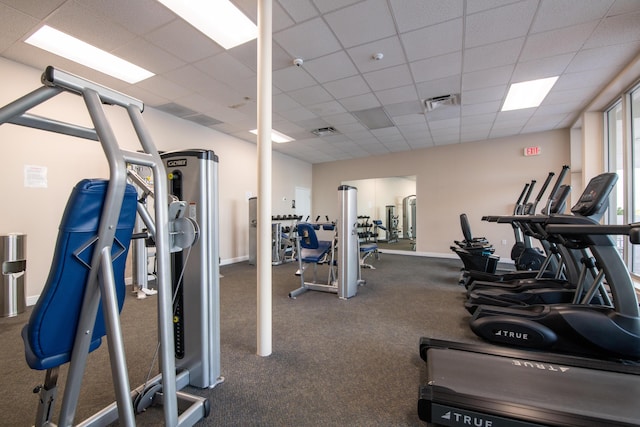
<point>51,332</point>
<point>313,251</point>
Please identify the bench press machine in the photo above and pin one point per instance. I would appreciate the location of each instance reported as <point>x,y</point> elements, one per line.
<point>97,226</point>
<point>346,280</point>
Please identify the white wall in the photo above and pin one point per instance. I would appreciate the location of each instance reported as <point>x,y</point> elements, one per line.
<point>37,211</point>
<point>476,178</point>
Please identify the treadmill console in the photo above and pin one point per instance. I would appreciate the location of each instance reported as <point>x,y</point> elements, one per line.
<point>594,198</point>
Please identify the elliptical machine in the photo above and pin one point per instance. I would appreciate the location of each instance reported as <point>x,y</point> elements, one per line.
<point>578,328</point>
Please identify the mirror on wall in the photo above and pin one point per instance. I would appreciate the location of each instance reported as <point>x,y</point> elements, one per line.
<point>391,203</point>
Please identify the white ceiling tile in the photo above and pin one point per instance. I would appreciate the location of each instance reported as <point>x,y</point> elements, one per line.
<point>334,66</point>
<point>443,124</point>
<point>468,129</point>
<point>478,119</point>
<point>83,23</point>
<point>556,42</point>
<point>413,14</point>
<point>349,128</point>
<point>389,78</point>
<point>624,6</point>
<point>280,19</point>
<point>329,5</point>
<point>409,119</point>
<point>344,88</point>
<point>36,9</point>
<point>283,102</point>
<point>494,55</point>
<point>480,96</point>
<point>310,39</point>
<point>583,79</point>
<point>386,132</point>
<point>390,47</point>
<point>160,84</point>
<point>297,114</point>
<point>140,16</point>
<point>541,68</point>
<point>398,147</point>
<point>310,95</point>
<point>340,119</point>
<point>414,128</point>
<point>447,112</point>
<point>554,14</point>
<point>362,22</point>
<point>616,30</point>
<point>562,96</point>
<point>545,109</point>
<point>480,108</point>
<point>360,102</point>
<point>299,10</point>
<point>326,108</point>
<point>15,25</point>
<point>404,108</point>
<point>611,56</point>
<point>183,41</point>
<point>225,68</point>
<point>420,143</point>
<point>437,67</point>
<point>433,41</point>
<point>476,6</point>
<point>292,78</point>
<point>503,23</point>
<point>149,56</point>
<point>397,95</point>
<point>487,78</point>
<point>439,87</point>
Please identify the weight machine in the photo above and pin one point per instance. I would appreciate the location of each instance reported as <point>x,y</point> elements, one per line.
<point>108,208</point>
<point>311,251</point>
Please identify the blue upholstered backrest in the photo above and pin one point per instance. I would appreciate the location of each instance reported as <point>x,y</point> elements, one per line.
<point>308,237</point>
<point>50,333</point>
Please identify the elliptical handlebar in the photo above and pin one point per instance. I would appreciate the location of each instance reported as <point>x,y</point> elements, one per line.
<point>546,183</point>
<point>554,191</point>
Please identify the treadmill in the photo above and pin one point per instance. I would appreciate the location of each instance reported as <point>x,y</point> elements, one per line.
<point>484,385</point>
<point>488,386</point>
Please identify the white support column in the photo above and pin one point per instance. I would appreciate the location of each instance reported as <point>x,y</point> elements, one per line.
<point>264,309</point>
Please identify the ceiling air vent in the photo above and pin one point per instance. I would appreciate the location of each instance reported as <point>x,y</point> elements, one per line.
<point>329,130</point>
<point>440,101</point>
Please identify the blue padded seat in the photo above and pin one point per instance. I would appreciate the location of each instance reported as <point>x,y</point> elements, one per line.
<point>312,250</point>
<point>50,334</point>
<point>368,247</point>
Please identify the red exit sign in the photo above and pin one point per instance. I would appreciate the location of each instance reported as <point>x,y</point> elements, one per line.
<point>532,151</point>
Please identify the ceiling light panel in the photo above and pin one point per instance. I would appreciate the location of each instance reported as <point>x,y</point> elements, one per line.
<point>219,20</point>
<point>277,137</point>
<point>528,94</point>
<point>76,50</point>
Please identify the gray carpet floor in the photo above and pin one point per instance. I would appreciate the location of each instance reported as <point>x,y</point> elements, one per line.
<point>334,362</point>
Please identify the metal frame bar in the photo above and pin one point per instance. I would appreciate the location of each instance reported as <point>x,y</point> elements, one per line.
<point>101,280</point>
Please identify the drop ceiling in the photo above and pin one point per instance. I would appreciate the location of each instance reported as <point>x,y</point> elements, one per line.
<point>471,48</point>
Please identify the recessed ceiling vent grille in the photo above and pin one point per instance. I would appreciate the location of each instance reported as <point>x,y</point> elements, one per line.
<point>431,104</point>
<point>329,130</point>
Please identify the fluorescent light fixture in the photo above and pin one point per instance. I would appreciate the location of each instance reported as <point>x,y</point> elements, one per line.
<point>219,20</point>
<point>277,137</point>
<point>76,50</point>
<point>528,94</point>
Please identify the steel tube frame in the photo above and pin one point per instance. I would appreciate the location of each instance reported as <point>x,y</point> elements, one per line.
<point>55,82</point>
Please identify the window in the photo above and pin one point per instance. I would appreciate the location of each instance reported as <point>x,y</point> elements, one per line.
<point>622,135</point>
<point>635,141</point>
<point>614,134</point>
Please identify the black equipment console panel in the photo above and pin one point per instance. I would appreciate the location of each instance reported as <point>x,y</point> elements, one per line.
<point>489,386</point>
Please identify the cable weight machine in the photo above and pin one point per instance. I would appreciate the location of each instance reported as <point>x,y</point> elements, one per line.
<point>172,232</point>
